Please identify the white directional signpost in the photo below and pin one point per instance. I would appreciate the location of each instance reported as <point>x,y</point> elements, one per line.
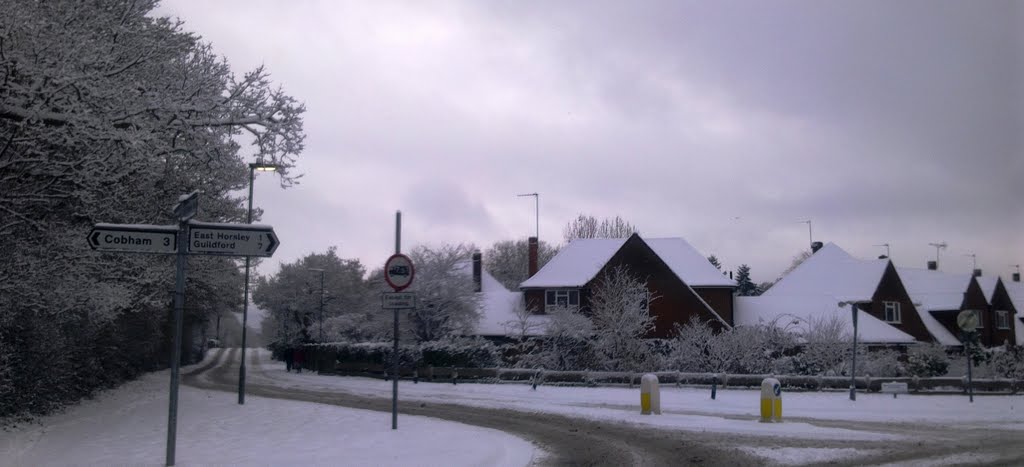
<point>189,237</point>
<point>206,238</point>
<point>134,238</point>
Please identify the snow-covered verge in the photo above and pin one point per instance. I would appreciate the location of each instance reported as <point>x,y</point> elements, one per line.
<point>128,425</point>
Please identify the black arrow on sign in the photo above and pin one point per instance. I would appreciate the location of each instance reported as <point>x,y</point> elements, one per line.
<point>270,242</point>
<point>94,239</point>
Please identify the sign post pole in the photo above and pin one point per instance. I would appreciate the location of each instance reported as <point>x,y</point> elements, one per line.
<point>968,321</point>
<point>179,308</point>
<point>394,367</point>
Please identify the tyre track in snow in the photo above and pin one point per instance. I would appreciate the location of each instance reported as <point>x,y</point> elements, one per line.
<point>571,441</point>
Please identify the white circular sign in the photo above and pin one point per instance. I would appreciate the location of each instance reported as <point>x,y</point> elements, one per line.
<point>967,320</point>
<point>398,272</point>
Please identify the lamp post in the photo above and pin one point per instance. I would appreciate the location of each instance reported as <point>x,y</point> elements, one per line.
<point>321,271</point>
<point>853,367</point>
<point>536,199</point>
<point>253,167</point>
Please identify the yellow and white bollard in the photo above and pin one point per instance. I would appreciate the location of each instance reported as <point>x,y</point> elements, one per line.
<point>650,395</point>
<point>771,401</point>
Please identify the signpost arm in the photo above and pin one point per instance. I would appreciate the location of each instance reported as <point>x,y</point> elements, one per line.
<point>394,368</point>
<point>179,306</point>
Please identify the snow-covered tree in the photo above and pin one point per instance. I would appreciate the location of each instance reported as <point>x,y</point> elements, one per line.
<point>508,261</point>
<point>292,298</point>
<point>714,262</point>
<point>745,286</point>
<point>619,305</point>
<point>107,114</point>
<point>585,226</point>
<point>446,302</point>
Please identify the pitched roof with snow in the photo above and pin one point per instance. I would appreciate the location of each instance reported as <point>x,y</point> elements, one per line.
<point>498,307</point>
<point>580,261</point>
<point>988,286</point>
<point>935,291</point>
<point>798,312</point>
<point>832,271</point>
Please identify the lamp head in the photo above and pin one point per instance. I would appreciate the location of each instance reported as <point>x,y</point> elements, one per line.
<point>262,167</point>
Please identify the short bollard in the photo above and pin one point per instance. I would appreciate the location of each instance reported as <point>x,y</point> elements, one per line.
<point>650,395</point>
<point>771,400</point>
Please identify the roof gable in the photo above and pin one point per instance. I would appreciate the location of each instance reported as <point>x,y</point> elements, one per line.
<point>832,271</point>
<point>580,262</point>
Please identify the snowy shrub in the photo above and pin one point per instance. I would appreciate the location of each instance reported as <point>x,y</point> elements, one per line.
<point>567,343</point>
<point>1009,363</point>
<point>740,350</point>
<point>460,352</point>
<point>825,350</point>
<point>691,347</point>
<point>881,362</point>
<point>927,360</point>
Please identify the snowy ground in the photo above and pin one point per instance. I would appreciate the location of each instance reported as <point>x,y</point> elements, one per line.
<point>128,425</point>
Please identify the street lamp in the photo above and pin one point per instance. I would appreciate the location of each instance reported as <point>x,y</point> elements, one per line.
<point>536,199</point>
<point>253,167</point>
<point>321,271</point>
<point>853,367</point>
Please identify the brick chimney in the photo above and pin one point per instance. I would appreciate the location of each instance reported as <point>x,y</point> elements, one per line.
<point>815,246</point>
<point>532,255</point>
<point>477,271</point>
<point>977,273</point>
<point>933,265</point>
<point>1016,277</point>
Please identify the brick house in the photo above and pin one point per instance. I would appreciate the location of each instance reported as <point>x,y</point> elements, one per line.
<point>685,283</point>
<point>874,284</point>
<point>944,295</point>
<point>1003,311</point>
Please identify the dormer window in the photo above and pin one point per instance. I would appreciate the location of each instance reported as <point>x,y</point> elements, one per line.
<point>562,298</point>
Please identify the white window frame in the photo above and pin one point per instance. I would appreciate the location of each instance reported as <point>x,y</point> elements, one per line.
<point>981,323</point>
<point>1002,319</point>
<point>894,309</point>
<point>552,296</point>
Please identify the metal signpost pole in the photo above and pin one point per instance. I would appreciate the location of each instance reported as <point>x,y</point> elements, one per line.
<point>970,383</point>
<point>394,367</point>
<point>853,367</point>
<point>179,307</point>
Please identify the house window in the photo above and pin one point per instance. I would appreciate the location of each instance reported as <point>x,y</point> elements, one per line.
<point>567,298</point>
<point>1003,319</point>
<point>981,323</point>
<point>892,312</point>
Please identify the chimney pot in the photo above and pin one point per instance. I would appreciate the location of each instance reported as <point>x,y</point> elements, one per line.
<point>815,246</point>
<point>477,271</point>
<point>1016,277</point>
<point>933,265</point>
<point>532,255</point>
<point>977,273</point>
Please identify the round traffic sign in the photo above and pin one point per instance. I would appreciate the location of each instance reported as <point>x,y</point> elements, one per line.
<point>967,320</point>
<point>398,272</point>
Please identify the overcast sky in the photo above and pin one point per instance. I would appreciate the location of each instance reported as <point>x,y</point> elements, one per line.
<point>726,123</point>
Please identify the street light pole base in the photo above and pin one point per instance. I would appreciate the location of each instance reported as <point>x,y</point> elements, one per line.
<point>853,393</point>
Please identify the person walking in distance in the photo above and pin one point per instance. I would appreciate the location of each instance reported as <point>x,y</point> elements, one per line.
<point>289,358</point>
<point>297,360</point>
